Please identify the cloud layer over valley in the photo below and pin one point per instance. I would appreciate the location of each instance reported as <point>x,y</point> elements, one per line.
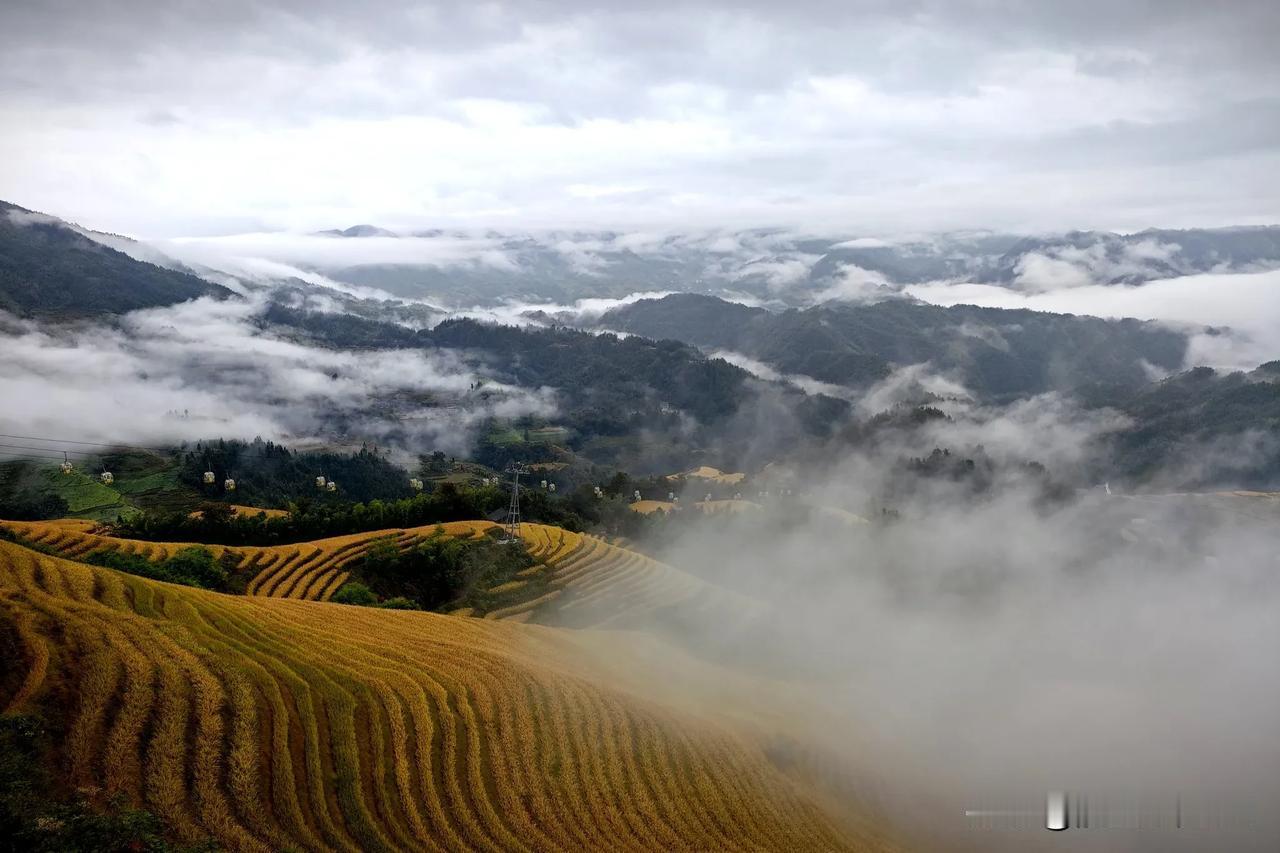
<point>976,655</point>
<point>210,368</point>
<point>1246,303</point>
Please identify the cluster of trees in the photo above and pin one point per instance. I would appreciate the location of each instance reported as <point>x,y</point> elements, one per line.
<point>600,376</point>
<point>998,353</point>
<point>893,422</point>
<point>628,402</point>
<point>25,493</point>
<point>193,566</point>
<point>572,509</point>
<point>603,378</point>
<point>972,473</point>
<point>215,524</point>
<point>612,376</point>
<point>33,507</point>
<point>439,573</point>
<point>1200,429</point>
<point>270,474</point>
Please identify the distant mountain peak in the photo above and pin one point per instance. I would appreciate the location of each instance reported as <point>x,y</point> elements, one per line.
<point>362,230</point>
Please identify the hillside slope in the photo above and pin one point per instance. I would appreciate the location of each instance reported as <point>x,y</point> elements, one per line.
<point>579,580</point>
<point>271,723</point>
<point>1202,429</point>
<point>996,352</point>
<point>50,270</point>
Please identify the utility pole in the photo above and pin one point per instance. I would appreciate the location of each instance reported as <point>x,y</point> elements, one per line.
<point>512,526</point>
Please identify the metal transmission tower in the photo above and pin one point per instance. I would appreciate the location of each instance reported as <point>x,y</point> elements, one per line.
<point>512,524</point>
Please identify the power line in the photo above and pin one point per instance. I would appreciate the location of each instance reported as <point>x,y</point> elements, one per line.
<point>6,456</point>
<point>73,441</point>
<point>49,449</point>
<point>23,452</point>
<point>246,451</point>
<point>120,445</point>
<point>512,525</point>
<point>88,459</point>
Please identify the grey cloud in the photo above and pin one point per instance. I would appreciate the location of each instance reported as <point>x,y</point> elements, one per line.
<point>910,116</point>
<point>642,38</point>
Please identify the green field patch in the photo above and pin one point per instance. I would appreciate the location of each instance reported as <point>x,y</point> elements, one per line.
<point>506,437</point>
<point>84,494</point>
<point>460,478</point>
<point>547,435</point>
<point>157,481</point>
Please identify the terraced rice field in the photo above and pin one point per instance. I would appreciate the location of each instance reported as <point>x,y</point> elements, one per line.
<point>74,538</point>
<point>589,582</point>
<point>251,511</point>
<point>596,584</point>
<point>646,506</point>
<point>315,570</point>
<point>273,723</point>
<point>309,570</point>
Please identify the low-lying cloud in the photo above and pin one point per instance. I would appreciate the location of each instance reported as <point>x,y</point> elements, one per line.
<point>760,370</point>
<point>1080,266</point>
<point>208,368</point>
<point>975,652</point>
<point>1247,303</point>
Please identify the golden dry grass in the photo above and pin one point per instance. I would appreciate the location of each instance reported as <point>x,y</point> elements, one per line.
<point>598,584</point>
<point>270,723</point>
<point>590,582</point>
<point>314,570</point>
<point>646,507</point>
<point>75,539</point>
<point>251,511</point>
<point>308,570</point>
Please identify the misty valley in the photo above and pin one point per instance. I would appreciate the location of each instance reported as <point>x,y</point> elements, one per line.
<point>648,427</point>
<point>819,525</point>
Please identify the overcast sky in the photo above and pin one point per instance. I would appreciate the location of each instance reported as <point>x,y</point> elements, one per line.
<point>197,118</point>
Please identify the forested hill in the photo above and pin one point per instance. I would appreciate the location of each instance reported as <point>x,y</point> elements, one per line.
<point>1202,429</point>
<point>998,353</point>
<point>618,375</point>
<point>629,402</point>
<point>50,270</point>
<point>610,372</point>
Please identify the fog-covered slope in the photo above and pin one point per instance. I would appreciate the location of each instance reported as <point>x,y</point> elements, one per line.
<point>994,352</point>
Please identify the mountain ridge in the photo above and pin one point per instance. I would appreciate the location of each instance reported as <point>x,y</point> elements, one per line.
<point>50,269</point>
<point>1001,353</point>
